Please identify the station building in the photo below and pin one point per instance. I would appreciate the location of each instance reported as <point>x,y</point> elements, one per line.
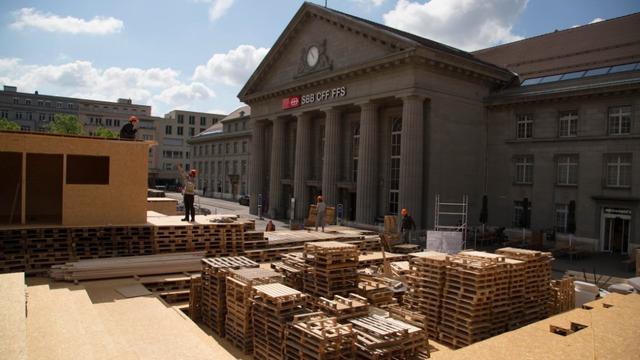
<point>378,120</point>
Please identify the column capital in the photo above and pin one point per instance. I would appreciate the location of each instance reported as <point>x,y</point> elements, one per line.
<point>260,122</point>
<point>302,115</point>
<point>367,105</point>
<point>331,109</point>
<point>411,96</point>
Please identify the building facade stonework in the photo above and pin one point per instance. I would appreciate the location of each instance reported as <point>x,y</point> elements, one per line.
<point>378,120</point>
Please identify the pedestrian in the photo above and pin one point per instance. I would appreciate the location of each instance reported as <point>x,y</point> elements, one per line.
<point>407,226</point>
<point>188,191</point>
<point>321,211</point>
<point>204,190</point>
<point>270,226</point>
<point>128,131</point>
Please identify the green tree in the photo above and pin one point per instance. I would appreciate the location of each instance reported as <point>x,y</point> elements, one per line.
<point>106,133</point>
<point>8,125</point>
<point>65,124</point>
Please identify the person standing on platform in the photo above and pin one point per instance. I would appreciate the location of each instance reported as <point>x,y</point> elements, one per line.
<point>407,226</point>
<point>270,226</point>
<point>129,131</point>
<point>321,211</point>
<point>188,191</point>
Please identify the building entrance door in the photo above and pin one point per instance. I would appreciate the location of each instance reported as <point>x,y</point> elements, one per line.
<point>616,230</point>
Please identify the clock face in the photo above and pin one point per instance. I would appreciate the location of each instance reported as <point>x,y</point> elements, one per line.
<point>312,56</point>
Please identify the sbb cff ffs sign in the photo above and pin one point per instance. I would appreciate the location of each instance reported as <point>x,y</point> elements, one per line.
<point>291,102</point>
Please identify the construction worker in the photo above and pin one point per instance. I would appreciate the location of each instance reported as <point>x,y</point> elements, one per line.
<point>270,226</point>
<point>407,226</point>
<point>321,211</point>
<point>128,131</point>
<point>188,191</point>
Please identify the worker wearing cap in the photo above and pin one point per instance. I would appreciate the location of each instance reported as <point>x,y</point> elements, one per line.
<point>321,211</point>
<point>188,192</point>
<point>128,131</point>
<point>407,226</point>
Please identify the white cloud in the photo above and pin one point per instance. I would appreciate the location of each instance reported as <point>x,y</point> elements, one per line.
<point>29,17</point>
<point>465,24</point>
<point>232,68</point>
<point>596,20</point>
<point>161,88</point>
<point>373,3</point>
<point>217,8</point>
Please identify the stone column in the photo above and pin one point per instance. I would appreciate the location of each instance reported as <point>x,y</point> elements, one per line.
<point>411,157</point>
<point>257,168</point>
<point>277,167</point>
<point>366,196</point>
<point>330,165</point>
<point>302,165</point>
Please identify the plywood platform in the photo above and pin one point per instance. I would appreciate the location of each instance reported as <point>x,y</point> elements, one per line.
<point>13,333</point>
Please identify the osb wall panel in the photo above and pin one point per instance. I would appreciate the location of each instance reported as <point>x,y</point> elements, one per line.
<point>122,202</point>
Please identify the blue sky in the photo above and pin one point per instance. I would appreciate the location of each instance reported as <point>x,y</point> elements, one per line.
<point>196,54</point>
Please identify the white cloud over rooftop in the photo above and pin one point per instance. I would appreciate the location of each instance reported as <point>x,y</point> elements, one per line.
<point>32,18</point>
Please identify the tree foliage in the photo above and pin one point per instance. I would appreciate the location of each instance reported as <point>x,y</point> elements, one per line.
<point>65,124</point>
<point>8,125</point>
<point>106,133</point>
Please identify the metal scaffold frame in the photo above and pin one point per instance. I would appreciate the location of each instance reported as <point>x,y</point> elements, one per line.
<point>452,209</point>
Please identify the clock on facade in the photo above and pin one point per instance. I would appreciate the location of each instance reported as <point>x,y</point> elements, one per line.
<point>313,54</point>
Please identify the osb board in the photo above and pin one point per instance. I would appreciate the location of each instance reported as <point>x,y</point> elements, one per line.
<point>134,290</point>
<point>279,237</point>
<point>166,206</point>
<point>112,327</point>
<point>176,220</point>
<point>377,255</point>
<point>13,333</point>
<point>611,333</point>
<point>122,202</point>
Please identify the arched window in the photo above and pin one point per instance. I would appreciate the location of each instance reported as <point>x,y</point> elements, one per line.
<point>355,149</point>
<point>394,181</point>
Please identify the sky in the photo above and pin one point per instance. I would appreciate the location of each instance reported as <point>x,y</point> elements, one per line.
<point>197,54</point>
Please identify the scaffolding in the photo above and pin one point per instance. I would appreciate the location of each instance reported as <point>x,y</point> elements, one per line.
<point>452,212</point>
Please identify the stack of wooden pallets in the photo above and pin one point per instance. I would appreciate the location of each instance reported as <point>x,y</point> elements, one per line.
<point>254,240</point>
<point>195,298</point>
<point>377,292</point>
<point>425,282</point>
<point>343,308</point>
<point>274,305</point>
<point>537,281</point>
<point>238,322</point>
<point>292,267</point>
<point>517,281</point>
<point>316,336</point>
<point>213,303</point>
<point>563,296</point>
<point>331,268</point>
<point>12,250</point>
<point>378,337</point>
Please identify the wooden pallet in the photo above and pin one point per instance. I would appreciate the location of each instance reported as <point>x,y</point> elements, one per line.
<point>343,308</point>
<point>316,336</point>
<point>379,337</point>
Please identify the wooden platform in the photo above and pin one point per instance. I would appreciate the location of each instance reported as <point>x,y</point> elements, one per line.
<point>13,329</point>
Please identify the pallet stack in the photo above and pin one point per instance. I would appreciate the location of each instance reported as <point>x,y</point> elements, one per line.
<point>378,337</point>
<point>12,251</point>
<point>316,336</point>
<point>343,308</point>
<point>425,283</point>
<point>537,280</point>
<point>292,267</point>
<point>238,321</point>
<point>331,268</point>
<point>563,296</point>
<point>377,292</point>
<point>274,305</point>
<point>195,298</point>
<point>517,280</point>
<point>254,240</point>
<point>213,299</point>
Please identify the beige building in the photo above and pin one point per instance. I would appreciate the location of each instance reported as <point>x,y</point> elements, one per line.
<point>378,120</point>
<point>174,131</point>
<point>221,155</point>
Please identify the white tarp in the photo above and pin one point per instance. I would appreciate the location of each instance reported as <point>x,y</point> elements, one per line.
<point>449,242</point>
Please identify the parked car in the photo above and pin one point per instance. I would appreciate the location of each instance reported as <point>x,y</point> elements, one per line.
<point>244,200</point>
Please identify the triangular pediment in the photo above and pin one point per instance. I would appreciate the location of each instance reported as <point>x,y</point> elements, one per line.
<point>341,41</point>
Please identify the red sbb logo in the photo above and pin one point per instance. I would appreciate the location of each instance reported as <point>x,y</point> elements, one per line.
<point>291,102</point>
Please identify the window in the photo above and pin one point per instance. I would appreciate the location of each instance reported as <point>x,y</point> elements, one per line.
<point>567,166</point>
<point>59,105</point>
<point>235,167</point>
<point>244,147</point>
<point>235,127</point>
<point>84,169</point>
<point>116,122</point>
<point>206,150</point>
<point>191,131</point>
<point>42,116</point>
<point>244,125</point>
<point>179,130</point>
<point>4,114</point>
<point>518,213</point>
<point>27,101</point>
<point>108,122</point>
<point>203,120</point>
<point>16,100</point>
<point>47,103</point>
<point>394,186</point>
<point>51,117</point>
<point>243,167</point>
<point>19,115</point>
<point>29,116</point>
<point>167,130</point>
<point>235,147</point>
<point>618,170</point>
<point>25,128</point>
<point>180,119</point>
<point>69,106</point>
<point>524,169</point>
<point>562,214</point>
<point>227,148</point>
<point>355,150</point>
<point>524,128</point>
<point>40,102</point>
<point>568,124</point>
<point>192,120</point>
<point>620,120</point>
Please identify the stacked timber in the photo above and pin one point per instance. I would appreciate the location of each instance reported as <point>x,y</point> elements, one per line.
<point>424,287</point>
<point>238,321</point>
<point>377,292</point>
<point>274,305</point>
<point>537,280</point>
<point>127,266</point>
<point>315,336</point>
<point>343,308</point>
<point>517,282</point>
<point>213,299</point>
<point>195,298</point>
<point>378,337</point>
<point>331,268</point>
<point>563,296</point>
<point>254,240</point>
<point>292,267</point>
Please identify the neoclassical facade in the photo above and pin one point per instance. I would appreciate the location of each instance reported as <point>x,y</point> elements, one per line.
<point>377,119</point>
